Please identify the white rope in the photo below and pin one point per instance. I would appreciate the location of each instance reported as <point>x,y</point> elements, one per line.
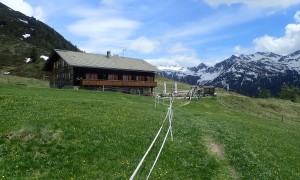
<point>157,100</point>
<point>145,155</point>
<point>170,115</point>
<point>170,122</point>
<point>162,145</point>
<point>170,118</point>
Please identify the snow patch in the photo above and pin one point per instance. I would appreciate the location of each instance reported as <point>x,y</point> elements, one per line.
<point>170,68</point>
<point>252,74</point>
<point>6,72</point>
<point>207,77</point>
<point>26,36</point>
<point>237,75</point>
<point>178,70</point>
<point>44,57</point>
<point>24,21</point>
<point>28,60</point>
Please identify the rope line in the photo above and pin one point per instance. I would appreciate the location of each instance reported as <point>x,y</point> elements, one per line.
<point>170,113</point>
<point>169,116</point>
<point>150,147</point>
<point>162,145</point>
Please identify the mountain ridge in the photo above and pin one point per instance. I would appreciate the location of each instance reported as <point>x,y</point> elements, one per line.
<point>246,74</point>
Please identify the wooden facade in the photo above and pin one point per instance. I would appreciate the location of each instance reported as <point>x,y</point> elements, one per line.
<point>65,75</point>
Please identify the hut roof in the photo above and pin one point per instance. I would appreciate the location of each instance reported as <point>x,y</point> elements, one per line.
<point>81,59</point>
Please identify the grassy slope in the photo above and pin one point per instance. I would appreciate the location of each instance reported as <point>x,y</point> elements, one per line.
<point>22,81</point>
<point>47,133</point>
<point>160,84</point>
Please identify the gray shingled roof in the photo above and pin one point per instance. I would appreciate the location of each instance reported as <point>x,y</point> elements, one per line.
<point>80,59</point>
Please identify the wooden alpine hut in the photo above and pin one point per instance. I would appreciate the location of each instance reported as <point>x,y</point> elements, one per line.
<point>69,69</point>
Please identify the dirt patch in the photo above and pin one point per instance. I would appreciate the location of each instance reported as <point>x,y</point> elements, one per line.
<point>44,136</point>
<point>8,136</point>
<point>214,147</point>
<point>217,149</point>
<point>233,174</point>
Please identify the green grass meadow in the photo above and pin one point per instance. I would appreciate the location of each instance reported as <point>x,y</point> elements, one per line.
<point>80,134</point>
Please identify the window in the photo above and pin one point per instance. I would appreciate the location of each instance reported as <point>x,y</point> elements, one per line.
<point>91,76</point>
<point>55,64</point>
<point>125,77</point>
<point>138,78</point>
<point>111,77</point>
<point>68,75</point>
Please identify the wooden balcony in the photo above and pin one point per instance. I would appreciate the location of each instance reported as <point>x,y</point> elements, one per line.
<point>117,83</point>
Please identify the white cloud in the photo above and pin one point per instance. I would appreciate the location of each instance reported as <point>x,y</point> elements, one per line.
<point>290,42</point>
<point>144,45</point>
<point>271,13</point>
<point>25,8</point>
<point>297,17</point>
<point>180,55</point>
<point>238,50</point>
<point>255,3</point>
<point>178,48</point>
<point>107,29</point>
<point>102,29</point>
<point>108,2</point>
<point>214,23</point>
<point>182,60</point>
<point>39,14</point>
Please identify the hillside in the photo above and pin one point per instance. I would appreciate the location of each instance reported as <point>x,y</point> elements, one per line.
<point>23,37</point>
<point>22,81</point>
<point>67,134</point>
<point>169,83</point>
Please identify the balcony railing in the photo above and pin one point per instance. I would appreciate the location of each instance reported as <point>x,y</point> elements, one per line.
<point>117,83</point>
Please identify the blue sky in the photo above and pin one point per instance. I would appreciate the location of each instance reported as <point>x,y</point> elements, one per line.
<point>172,32</point>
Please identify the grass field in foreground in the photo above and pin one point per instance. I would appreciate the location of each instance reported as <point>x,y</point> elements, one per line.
<point>63,134</point>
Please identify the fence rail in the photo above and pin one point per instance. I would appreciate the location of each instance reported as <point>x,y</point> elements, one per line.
<point>85,82</point>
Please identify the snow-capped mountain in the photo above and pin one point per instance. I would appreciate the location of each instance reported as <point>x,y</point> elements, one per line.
<point>246,74</point>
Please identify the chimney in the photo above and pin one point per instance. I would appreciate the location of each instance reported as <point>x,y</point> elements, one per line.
<point>108,54</point>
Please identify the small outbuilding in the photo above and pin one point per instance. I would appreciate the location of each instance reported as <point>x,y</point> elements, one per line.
<point>209,90</point>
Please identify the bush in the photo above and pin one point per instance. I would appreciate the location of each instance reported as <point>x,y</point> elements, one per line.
<point>265,93</point>
<point>290,93</point>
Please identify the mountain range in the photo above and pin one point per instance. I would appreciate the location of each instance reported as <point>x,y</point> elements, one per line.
<point>246,74</point>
